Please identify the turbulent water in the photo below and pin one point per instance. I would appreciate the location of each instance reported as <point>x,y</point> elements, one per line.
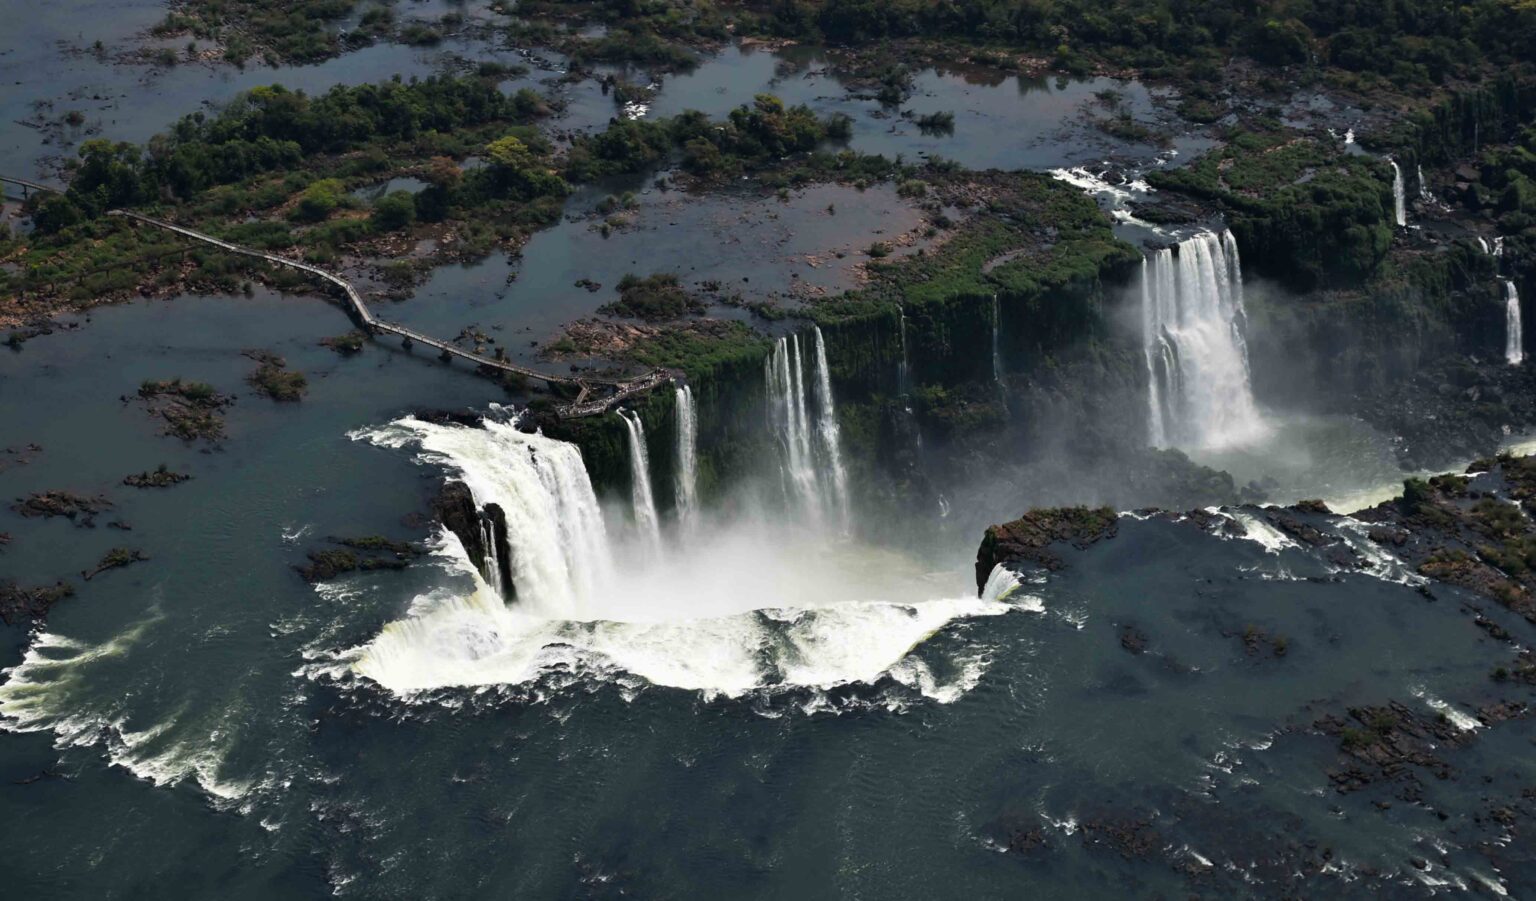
<point>687,465</point>
<point>811,615</point>
<point>1514,342</point>
<point>1199,394</point>
<point>1399,196</point>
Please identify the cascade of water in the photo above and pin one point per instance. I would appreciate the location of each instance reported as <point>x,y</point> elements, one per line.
<point>1514,341</point>
<point>1200,392</point>
<point>559,548</point>
<point>830,434</point>
<point>1498,246</point>
<point>1399,202</point>
<point>1483,243</point>
<point>490,567</point>
<point>1424,192</point>
<point>903,370</point>
<point>787,415</point>
<point>646,520</point>
<point>687,476</point>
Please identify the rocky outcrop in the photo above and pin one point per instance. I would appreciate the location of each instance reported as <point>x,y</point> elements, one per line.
<point>456,510</point>
<point>1028,540</point>
<point>117,558</point>
<point>18,603</point>
<point>161,477</point>
<point>356,555</point>
<point>77,508</point>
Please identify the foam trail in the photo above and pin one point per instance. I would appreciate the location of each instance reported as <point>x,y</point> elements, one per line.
<point>687,475</point>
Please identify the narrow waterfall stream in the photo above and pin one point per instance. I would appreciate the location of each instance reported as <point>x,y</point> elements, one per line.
<point>647,523</point>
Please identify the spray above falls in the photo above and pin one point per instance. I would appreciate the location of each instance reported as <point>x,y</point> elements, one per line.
<point>1200,394</point>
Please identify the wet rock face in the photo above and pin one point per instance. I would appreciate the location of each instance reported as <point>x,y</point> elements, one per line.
<point>456,510</point>
<point>498,521</point>
<point>1027,540</point>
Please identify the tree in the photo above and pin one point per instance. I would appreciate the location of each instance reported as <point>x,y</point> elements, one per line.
<point>395,210</point>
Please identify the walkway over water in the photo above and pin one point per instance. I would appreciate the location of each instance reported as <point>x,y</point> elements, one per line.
<point>585,403</point>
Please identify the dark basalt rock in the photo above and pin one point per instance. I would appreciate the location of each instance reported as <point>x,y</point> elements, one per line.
<point>456,510</point>
<point>356,555</point>
<point>1027,540</point>
<point>161,477</point>
<point>77,508</point>
<point>498,521</point>
<point>18,603</point>
<point>116,558</point>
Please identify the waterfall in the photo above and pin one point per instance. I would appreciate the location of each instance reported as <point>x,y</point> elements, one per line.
<point>830,434</point>
<point>1483,243</point>
<point>1424,192</point>
<point>1514,343</point>
<point>687,476</point>
<point>903,369</point>
<point>1498,246</point>
<point>559,549</point>
<point>1199,391</point>
<point>490,567</point>
<point>646,520</point>
<point>815,478</point>
<point>786,408</point>
<point>1399,204</point>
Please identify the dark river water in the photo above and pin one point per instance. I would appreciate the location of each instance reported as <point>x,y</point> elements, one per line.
<point>760,711</point>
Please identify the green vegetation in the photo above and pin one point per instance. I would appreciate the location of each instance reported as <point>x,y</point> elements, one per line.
<point>1305,212</point>
<point>654,298</point>
<point>274,379</point>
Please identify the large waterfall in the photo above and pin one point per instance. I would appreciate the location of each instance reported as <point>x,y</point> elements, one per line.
<point>1514,341</point>
<point>559,547</point>
<point>1399,201</point>
<point>812,615</point>
<point>904,368</point>
<point>646,520</point>
<point>814,476</point>
<point>1197,359</point>
<point>686,480</point>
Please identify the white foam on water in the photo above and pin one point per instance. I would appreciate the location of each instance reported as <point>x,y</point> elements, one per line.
<point>55,689</point>
<point>452,638</point>
<point>1457,718</point>
<point>1261,532</point>
<point>748,606</point>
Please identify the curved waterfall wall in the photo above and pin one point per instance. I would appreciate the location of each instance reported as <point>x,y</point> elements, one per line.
<point>1200,393</point>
